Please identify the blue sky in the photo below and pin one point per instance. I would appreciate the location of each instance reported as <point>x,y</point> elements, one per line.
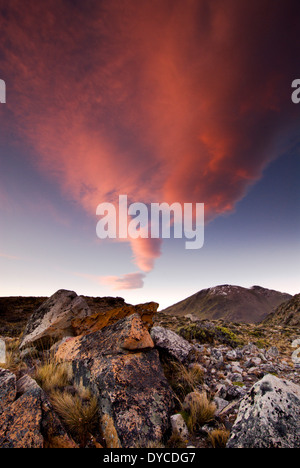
<point>161,101</point>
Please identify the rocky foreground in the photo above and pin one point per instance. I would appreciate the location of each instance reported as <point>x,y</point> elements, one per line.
<point>127,376</point>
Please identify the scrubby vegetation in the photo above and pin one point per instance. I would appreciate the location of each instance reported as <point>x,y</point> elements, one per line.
<point>183,380</point>
<point>198,410</point>
<point>79,413</point>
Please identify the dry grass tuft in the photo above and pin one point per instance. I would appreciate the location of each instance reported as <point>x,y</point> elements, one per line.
<point>12,356</point>
<point>200,411</point>
<point>182,380</point>
<point>219,437</point>
<point>176,441</point>
<point>149,444</point>
<point>52,376</point>
<point>80,416</point>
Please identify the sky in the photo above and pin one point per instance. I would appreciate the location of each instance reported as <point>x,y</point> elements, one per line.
<point>185,101</point>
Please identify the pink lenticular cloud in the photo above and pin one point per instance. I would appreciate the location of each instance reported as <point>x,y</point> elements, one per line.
<point>128,281</point>
<point>162,101</point>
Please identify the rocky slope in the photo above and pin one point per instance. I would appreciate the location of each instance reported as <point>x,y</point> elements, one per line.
<point>137,378</point>
<point>287,313</point>
<point>230,303</point>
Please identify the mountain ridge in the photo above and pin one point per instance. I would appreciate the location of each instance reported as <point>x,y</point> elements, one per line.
<point>230,303</point>
<point>286,314</point>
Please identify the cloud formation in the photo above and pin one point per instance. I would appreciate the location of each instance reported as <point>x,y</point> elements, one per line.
<point>174,101</point>
<point>128,281</point>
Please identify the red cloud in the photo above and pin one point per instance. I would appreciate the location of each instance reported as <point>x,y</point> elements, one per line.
<point>163,101</point>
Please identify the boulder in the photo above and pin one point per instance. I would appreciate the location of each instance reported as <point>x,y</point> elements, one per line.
<point>97,321</point>
<point>8,389</point>
<point>171,343</point>
<point>119,365</point>
<point>29,422</point>
<point>128,334</point>
<point>52,320</point>
<point>20,423</point>
<point>269,416</point>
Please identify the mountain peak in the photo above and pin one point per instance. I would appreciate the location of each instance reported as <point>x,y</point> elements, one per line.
<point>231,303</point>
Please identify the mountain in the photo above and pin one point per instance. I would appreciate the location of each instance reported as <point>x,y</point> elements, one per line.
<point>230,303</point>
<point>286,314</point>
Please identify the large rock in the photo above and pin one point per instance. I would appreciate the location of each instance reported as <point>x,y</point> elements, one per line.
<point>97,321</point>
<point>20,423</point>
<point>171,343</point>
<point>8,389</point>
<point>120,365</point>
<point>29,422</point>
<point>52,320</point>
<point>128,334</point>
<point>269,416</point>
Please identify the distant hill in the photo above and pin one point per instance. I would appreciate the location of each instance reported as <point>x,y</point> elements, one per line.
<point>287,314</point>
<point>230,303</point>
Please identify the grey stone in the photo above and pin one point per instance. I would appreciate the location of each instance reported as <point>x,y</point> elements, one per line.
<point>26,384</point>
<point>217,355</point>
<point>272,352</point>
<point>221,404</point>
<point>231,355</point>
<point>178,425</point>
<point>170,342</point>
<point>8,390</point>
<point>52,321</point>
<point>269,416</point>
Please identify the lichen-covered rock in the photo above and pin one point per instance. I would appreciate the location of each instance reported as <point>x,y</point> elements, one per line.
<point>120,366</point>
<point>29,422</point>
<point>8,389</point>
<point>135,394</point>
<point>128,334</point>
<point>95,322</point>
<point>269,416</point>
<point>52,320</point>
<point>173,344</point>
<point>20,423</point>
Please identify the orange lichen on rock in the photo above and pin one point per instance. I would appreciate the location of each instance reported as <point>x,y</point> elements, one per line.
<point>95,322</point>
<point>127,335</point>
